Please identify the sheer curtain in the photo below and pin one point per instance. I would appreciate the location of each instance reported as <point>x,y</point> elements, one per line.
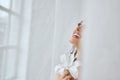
<point>51,27</point>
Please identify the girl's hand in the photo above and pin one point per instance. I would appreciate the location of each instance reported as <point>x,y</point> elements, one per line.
<point>67,76</point>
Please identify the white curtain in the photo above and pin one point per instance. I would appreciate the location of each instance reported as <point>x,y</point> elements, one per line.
<point>51,27</point>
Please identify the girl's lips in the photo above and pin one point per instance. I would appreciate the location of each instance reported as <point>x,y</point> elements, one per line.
<point>75,35</point>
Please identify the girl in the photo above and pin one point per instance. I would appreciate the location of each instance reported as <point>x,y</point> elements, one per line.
<point>69,68</point>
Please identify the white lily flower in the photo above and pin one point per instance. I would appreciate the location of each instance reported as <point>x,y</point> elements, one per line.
<point>67,62</point>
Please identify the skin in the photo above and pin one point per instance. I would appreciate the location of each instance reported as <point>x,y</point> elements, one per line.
<point>75,40</point>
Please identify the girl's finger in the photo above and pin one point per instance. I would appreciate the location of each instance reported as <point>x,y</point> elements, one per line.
<point>67,78</point>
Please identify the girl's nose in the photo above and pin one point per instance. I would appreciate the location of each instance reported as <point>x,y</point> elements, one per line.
<point>78,28</point>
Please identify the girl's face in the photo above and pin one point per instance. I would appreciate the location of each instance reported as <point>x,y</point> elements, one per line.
<point>75,39</point>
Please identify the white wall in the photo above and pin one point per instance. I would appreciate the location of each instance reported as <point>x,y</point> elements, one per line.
<point>52,24</point>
